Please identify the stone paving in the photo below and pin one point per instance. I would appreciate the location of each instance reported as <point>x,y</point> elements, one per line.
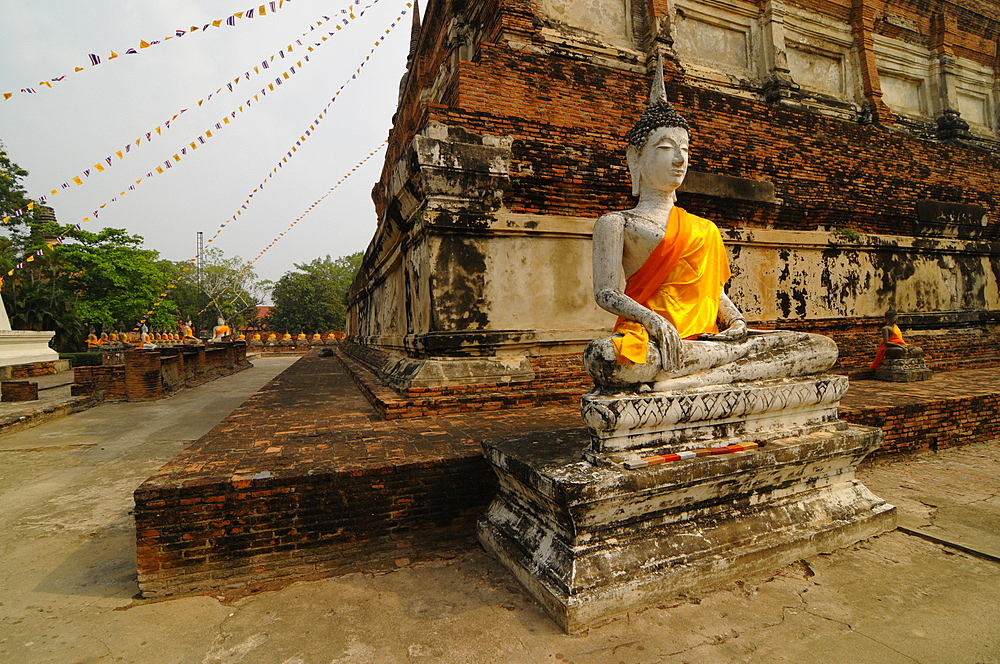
<point>68,591</point>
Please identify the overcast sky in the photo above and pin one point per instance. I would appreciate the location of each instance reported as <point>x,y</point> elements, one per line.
<point>57,133</point>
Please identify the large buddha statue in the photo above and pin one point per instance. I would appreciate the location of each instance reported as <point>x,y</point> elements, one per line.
<point>676,326</point>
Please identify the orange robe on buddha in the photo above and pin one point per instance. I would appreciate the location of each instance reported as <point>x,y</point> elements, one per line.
<point>681,280</point>
<point>895,337</point>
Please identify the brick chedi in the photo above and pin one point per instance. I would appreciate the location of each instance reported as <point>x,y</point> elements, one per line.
<point>848,149</point>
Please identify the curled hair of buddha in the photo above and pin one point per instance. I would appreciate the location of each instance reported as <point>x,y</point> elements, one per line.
<point>659,113</point>
<point>890,313</point>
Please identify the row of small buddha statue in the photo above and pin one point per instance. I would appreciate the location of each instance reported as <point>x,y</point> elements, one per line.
<point>185,335</point>
<point>272,339</point>
<point>120,339</point>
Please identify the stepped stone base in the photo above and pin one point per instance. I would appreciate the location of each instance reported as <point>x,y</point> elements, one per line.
<point>592,542</point>
<point>903,370</point>
<point>401,372</point>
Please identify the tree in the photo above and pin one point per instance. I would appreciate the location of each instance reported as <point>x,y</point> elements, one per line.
<point>70,279</point>
<point>313,298</point>
<point>227,288</point>
<point>12,194</point>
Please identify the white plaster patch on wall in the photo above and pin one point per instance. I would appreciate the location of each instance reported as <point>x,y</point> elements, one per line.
<point>904,94</point>
<point>718,43</point>
<point>822,72</point>
<point>975,94</point>
<point>904,73</point>
<point>794,274</point>
<point>821,54</point>
<point>609,18</point>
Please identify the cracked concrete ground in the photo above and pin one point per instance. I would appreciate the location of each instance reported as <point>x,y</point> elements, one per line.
<point>928,595</point>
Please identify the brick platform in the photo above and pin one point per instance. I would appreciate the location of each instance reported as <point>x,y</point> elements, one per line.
<point>306,477</point>
<point>950,408</point>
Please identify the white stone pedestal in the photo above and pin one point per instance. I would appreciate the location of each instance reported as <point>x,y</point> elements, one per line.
<point>25,347</point>
<point>594,542</point>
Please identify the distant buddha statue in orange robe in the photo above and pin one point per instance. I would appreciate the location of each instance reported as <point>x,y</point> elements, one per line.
<point>676,326</point>
<point>892,342</point>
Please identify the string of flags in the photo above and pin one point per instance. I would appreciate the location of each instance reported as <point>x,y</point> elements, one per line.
<point>161,169</point>
<point>288,155</point>
<point>302,216</point>
<point>307,133</point>
<point>346,16</point>
<point>251,262</point>
<point>269,7</point>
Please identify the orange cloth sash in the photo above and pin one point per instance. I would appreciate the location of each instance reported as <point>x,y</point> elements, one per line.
<point>681,280</point>
<point>895,337</point>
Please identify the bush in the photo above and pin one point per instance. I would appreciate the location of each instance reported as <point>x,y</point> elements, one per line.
<point>90,359</point>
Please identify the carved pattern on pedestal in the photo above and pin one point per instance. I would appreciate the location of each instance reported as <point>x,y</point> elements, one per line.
<point>630,421</point>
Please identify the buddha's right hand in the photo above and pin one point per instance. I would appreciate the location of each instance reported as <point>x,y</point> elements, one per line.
<point>668,342</point>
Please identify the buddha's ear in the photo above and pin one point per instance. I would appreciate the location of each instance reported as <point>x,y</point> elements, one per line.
<point>632,159</point>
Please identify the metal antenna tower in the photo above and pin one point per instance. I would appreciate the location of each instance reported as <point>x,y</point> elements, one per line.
<point>200,265</point>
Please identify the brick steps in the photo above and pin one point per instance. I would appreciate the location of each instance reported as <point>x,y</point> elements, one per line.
<point>556,387</point>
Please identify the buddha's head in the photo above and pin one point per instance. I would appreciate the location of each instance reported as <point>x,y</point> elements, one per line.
<point>657,152</point>
<point>890,316</point>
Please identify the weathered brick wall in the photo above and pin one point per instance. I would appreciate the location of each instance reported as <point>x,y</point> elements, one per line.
<point>150,374</point>
<point>190,539</point>
<point>18,390</point>
<point>945,349</point>
<point>569,116</point>
<point>569,119</point>
<point>566,109</point>
<point>933,425</point>
<point>32,370</point>
<point>108,379</point>
<point>142,375</point>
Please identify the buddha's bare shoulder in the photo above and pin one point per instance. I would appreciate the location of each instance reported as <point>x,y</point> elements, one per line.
<point>610,219</point>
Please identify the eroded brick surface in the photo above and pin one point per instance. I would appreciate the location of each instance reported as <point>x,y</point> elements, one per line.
<point>307,478</point>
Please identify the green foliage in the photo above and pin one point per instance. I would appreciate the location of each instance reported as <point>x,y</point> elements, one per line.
<point>314,297</point>
<point>101,280</point>
<point>105,280</point>
<point>847,234</point>
<point>83,359</point>
<point>98,279</point>
<point>225,289</point>
<point>12,194</point>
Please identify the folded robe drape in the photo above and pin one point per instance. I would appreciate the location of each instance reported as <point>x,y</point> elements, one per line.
<point>681,280</point>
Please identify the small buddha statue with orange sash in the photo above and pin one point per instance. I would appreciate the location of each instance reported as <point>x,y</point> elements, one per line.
<point>676,326</point>
<point>187,333</point>
<point>893,344</point>
<point>221,331</point>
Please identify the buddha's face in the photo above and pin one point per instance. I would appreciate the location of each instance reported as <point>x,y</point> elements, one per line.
<point>663,162</point>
